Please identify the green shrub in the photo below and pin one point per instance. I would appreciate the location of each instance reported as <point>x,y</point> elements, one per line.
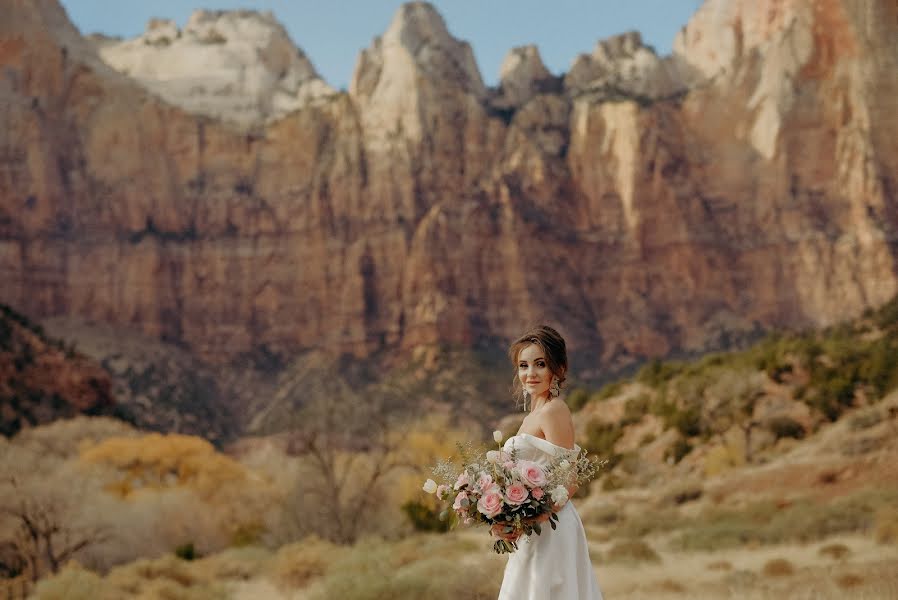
<point>607,391</point>
<point>655,373</point>
<point>685,491</point>
<point>687,421</point>
<point>677,450</point>
<point>186,552</point>
<point>601,438</point>
<point>879,367</point>
<point>635,408</point>
<point>886,316</point>
<point>663,409</point>
<point>424,517</point>
<point>577,399</point>
<point>785,427</point>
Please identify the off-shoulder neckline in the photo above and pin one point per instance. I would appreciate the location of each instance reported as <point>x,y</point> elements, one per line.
<point>545,441</point>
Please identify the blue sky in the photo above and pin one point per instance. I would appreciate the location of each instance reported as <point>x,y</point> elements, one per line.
<point>332,32</point>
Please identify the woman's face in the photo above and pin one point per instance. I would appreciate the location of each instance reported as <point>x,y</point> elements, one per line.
<point>533,371</point>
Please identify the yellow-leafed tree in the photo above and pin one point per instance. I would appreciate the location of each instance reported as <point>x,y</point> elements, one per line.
<point>154,463</point>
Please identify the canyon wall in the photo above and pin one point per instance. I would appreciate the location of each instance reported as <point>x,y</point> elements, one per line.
<point>646,205</point>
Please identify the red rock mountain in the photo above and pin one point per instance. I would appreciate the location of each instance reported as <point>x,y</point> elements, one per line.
<point>646,205</point>
<point>42,380</point>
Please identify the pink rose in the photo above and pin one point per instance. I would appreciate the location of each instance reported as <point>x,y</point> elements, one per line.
<point>537,493</point>
<point>531,473</point>
<point>463,479</point>
<point>516,494</point>
<point>492,488</point>
<point>442,490</point>
<point>490,504</point>
<point>484,481</point>
<point>461,501</point>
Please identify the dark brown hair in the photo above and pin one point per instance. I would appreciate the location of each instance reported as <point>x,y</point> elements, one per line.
<point>552,344</point>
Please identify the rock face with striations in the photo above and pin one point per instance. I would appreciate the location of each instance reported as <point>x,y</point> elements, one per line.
<point>748,181</point>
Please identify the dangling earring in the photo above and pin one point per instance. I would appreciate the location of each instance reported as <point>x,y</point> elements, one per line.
<point>526,396</point>
<point>555,389</point>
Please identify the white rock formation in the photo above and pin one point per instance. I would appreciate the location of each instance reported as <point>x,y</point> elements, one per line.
<point>405,71</point>
<point>239,66</point>
<point>623,64</point>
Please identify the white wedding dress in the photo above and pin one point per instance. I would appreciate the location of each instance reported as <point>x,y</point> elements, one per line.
<point>554,565</point>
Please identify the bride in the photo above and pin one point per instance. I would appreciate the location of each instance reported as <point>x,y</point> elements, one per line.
<point>555,564</point>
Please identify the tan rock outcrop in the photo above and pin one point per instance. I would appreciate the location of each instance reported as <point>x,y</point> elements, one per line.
<point>623,65</point>
<point>413,210</point>
<point>523,76</point>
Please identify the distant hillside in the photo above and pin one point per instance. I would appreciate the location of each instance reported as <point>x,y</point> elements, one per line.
<point>42,379</point>
<point>730,409</point>
<point>165,388</point>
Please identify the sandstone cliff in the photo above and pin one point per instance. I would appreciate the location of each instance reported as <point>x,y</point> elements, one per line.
<point>646,205</point>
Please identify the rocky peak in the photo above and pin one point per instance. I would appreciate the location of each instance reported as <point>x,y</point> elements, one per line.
<point>161,31</point>
<point>622,64</point>
<point>416,70</point>
<point>240,65</point>
<point>416,43</point>
<point>522,76</point>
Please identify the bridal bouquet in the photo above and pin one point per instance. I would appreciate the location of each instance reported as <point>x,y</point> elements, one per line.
<point>497,488</point>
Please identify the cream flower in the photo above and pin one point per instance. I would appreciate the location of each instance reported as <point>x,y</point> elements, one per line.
<point>559,495</point>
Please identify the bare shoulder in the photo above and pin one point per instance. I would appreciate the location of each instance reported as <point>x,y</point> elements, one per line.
<point>557,424</point>
<point>558,410</point>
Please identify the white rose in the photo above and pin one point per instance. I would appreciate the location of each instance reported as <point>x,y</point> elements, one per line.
<point>497,435</point>
<point>559,495</point>
<point>564,464</point>
<point>430,486</point>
